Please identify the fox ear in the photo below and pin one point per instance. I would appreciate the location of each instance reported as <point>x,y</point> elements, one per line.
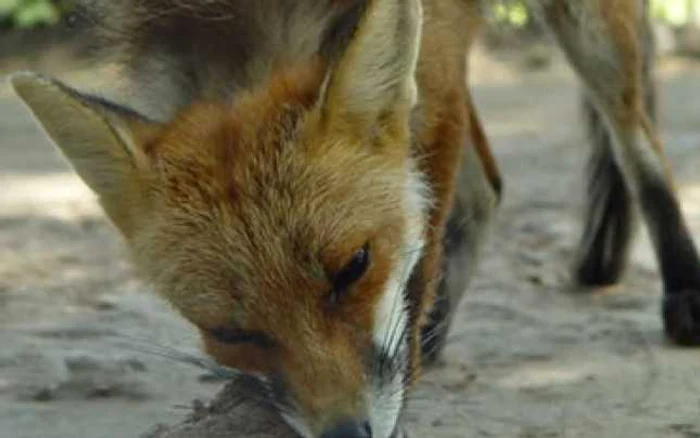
<point>102,141</point>
<point>375,76</point>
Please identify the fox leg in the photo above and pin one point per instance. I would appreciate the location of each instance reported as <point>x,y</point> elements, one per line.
<point>611,219</point>
<point>607,44</point>
<point>478,188</point>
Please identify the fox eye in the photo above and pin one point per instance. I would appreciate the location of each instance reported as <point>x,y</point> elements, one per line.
<point>350,274</point>
<point>233,337</point>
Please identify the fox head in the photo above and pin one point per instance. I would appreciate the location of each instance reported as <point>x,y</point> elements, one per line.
<point>283,225</point>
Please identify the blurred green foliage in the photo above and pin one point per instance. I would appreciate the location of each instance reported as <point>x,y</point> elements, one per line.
<point>674,12</point>
<point>29,13</point>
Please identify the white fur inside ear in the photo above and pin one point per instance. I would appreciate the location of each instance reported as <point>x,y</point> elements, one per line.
<point>377,71</point>
<point>100,149</point>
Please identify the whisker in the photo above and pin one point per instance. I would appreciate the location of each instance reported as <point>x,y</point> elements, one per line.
<point>395,335</point>
<point>155,349</point>
<point>226,373</point>
<point>195,361</point>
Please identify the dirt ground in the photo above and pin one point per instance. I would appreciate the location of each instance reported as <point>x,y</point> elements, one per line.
<point>85,348</point>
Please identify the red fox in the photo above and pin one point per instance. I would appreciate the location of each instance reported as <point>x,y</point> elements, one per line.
<point>309,184</point>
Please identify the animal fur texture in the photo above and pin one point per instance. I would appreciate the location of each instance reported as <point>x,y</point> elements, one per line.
<point>309,184</point>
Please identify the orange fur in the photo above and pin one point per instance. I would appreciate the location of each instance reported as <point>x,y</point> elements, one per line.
<point>215,159</point>
<point>241,210</point>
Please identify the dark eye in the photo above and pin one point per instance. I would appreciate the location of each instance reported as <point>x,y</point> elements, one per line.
<point>233,336</point>
<point>350,274</point>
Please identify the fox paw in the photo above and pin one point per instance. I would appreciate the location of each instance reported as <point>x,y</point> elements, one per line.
<point>681,314</point>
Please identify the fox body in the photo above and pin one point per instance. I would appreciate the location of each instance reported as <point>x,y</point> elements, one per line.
<point>309,184</point>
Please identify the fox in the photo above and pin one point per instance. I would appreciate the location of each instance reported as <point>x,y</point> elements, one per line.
<point>310,185</point>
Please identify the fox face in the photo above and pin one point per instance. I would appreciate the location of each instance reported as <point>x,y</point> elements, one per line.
<point>284,224</point>
<point>289,246</point>
<point>294,270</point>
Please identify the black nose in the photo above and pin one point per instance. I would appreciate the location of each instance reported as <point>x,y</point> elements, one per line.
<point>349,429</point>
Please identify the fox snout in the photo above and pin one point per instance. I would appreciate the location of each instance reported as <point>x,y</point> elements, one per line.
<point>340,397</point>
<point>334,386</point>
<point>352,428</point>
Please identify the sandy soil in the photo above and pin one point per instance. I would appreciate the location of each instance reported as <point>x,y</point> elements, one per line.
<point>85,348</point>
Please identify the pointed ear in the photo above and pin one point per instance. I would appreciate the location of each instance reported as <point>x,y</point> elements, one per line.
<point>103,142</point>
<point>375,76</point>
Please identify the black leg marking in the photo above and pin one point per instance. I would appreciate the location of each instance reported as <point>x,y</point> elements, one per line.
<point>599,66</point>
<point>678,260</point>
<point>434,334</point>
<point>610,216</point>
<point>467,227</point>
